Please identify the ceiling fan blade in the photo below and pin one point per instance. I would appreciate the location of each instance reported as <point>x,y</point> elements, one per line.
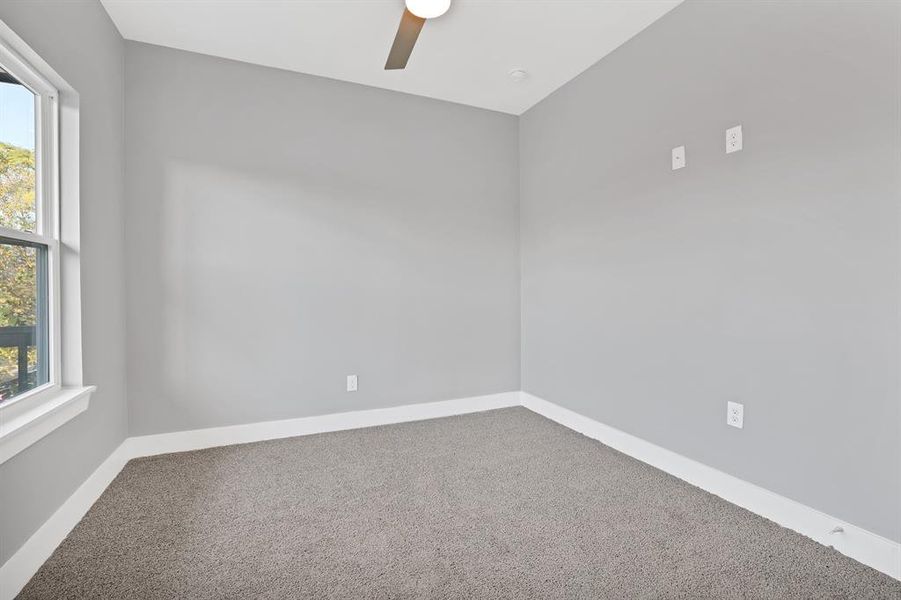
<point>407,33</point>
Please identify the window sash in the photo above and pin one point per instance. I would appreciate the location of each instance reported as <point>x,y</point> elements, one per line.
<point>46,209</point>
<point>41,334</point>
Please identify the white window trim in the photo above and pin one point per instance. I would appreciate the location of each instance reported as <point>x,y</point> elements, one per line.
<point>32,415</point>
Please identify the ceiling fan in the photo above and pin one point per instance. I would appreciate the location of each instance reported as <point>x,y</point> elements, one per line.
<point>411,22</point>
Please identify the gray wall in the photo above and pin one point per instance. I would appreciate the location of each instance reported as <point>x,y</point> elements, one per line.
<point>284,231</point>
<point>769,277</point>
<point>80,42</point>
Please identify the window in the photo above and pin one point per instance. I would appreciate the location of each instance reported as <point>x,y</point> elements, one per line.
<point>28,240</point>
<point>40,314</point>
<point>23,259</point>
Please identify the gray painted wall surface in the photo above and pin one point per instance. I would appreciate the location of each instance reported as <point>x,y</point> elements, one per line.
<point>284,231</point>
<point>769,277</point>
<point>80,42</point>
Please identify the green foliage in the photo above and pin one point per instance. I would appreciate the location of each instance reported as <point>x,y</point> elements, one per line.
<point>18,291</point>
<point>17,177</point>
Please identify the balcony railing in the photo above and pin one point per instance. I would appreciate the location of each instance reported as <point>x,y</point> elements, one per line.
<point>20,338</point>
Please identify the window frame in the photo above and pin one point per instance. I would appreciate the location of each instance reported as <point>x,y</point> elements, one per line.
<point>46,196</point>
<point>31,415</point>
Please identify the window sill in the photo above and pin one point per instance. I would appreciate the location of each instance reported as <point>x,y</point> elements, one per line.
<point>25,420</point>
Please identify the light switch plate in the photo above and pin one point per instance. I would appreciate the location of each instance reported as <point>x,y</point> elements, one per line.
<point>678,157</point>
<point>351,383</point>
<point>733,139</point>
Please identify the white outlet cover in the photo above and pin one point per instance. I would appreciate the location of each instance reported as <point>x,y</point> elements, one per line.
<point>733,139</point>
<point>351,383</point>
<point>678,157</point>
<point>735,414</point>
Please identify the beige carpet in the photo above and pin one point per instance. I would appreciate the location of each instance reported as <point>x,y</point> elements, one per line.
<point>502,504</point>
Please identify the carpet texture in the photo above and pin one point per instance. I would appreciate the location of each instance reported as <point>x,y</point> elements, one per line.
<point>501,504</point>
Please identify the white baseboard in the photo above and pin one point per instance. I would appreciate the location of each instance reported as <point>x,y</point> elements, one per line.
<point>22,565</point>
<point>16,572</point>
<point>864,546</point>
<point>180,441</point>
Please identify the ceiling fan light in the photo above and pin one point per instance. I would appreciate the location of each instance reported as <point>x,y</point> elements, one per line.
<point>428,9</point>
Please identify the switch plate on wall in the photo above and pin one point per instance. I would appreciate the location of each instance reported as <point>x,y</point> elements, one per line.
<point>733,139</point>
<point>351,383</point>
<point>735,414</point>
<point>678,157</point>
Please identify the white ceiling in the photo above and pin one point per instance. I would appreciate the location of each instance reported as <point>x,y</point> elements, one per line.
<point>464,56</point>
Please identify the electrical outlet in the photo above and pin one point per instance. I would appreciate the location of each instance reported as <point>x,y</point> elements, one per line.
<point>351,383</point>
<point>735,414</point>
<point>733,139</point>
<point>678,157</point>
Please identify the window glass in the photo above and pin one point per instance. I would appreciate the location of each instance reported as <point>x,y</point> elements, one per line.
<point>23,315</point>
<point>17,166</point>
<point>23,261</point>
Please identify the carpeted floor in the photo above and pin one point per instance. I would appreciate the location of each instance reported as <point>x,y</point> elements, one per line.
<point>501,504</point>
